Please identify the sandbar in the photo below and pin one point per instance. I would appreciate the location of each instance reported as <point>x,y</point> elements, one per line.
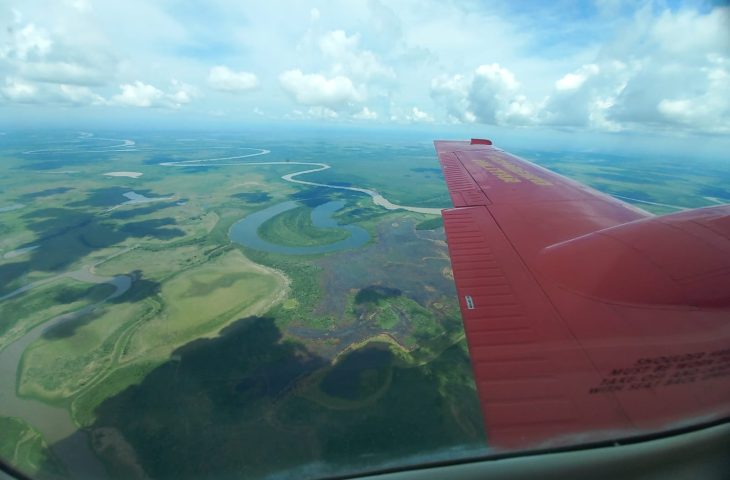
<point>124,174</point>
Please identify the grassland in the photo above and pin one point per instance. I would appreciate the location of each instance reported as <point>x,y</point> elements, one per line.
<point>294,228</point>
<point>23,446</point>
<point>55,368</point>
<point>388,170</point>
<point>125,340</point>
<point>202,301</point>
<point>305,294</point>
<point>66,215</point>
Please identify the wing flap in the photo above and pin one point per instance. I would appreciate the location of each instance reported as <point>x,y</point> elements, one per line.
<point>516,340</point>
<point>463,189</point>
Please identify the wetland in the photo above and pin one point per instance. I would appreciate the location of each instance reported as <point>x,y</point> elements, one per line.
<point>244,296</point>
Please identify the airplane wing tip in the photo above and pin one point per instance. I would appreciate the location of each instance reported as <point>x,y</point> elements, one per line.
<point>455,145</point>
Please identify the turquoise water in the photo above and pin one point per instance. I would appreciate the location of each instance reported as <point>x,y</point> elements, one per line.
<point>245,231</point>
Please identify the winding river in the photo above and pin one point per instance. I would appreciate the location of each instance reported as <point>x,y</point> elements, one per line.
<point>55,423</point>
<point>245,231</point>
<point>378,199</point>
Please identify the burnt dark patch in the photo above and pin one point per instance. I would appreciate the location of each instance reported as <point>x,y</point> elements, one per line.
<point>376,293</point>
<point>252,197</point>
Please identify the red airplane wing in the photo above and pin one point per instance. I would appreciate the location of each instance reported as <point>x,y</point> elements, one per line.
<point>587,319</point>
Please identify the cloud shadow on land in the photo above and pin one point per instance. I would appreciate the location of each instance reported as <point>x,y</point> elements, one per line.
<point>138,210</point>
<point>240,405</point>
<point>140,289</point>
<point>65,236</point>
<point>312,196</point>
<point>187,417</point>
<point>46,193</point>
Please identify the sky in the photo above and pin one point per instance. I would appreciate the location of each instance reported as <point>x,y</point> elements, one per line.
<point>659,69</point>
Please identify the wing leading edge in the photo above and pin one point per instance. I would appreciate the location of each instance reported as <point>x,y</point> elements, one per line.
<point>586,318</point>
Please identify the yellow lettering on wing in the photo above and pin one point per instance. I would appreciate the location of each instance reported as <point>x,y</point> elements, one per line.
<point>497,172</point>
<point>521,172</point>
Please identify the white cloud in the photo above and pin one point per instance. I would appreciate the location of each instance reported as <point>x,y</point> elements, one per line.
<point>349,59</point>
<point>139,94</point>
<point>347,74</point>
<point>451,92</point>
<point>687,32</point>
<point>365,114</point>
<point>678,72</point>
<point>19,91</point>
<point>519,111</point>
<point>317,90</point>
<point>655,66</point>
<point>707,111</point>
<point>498,76</point>
<point>42,66</point>
<point>338,44</point>
<point>490,95</point>
<point>584,97</point>
<point>416,115</point>
<point>663,71</point>
<point>660,70</point>
<point>181,93</point>
<point>572,81</point>
<point>224,79</point>
<point>78,95</point>
<point>27,42</point>
<point>491,91</point>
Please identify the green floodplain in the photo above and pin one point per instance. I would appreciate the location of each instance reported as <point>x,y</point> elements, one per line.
<point>127,311</point>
